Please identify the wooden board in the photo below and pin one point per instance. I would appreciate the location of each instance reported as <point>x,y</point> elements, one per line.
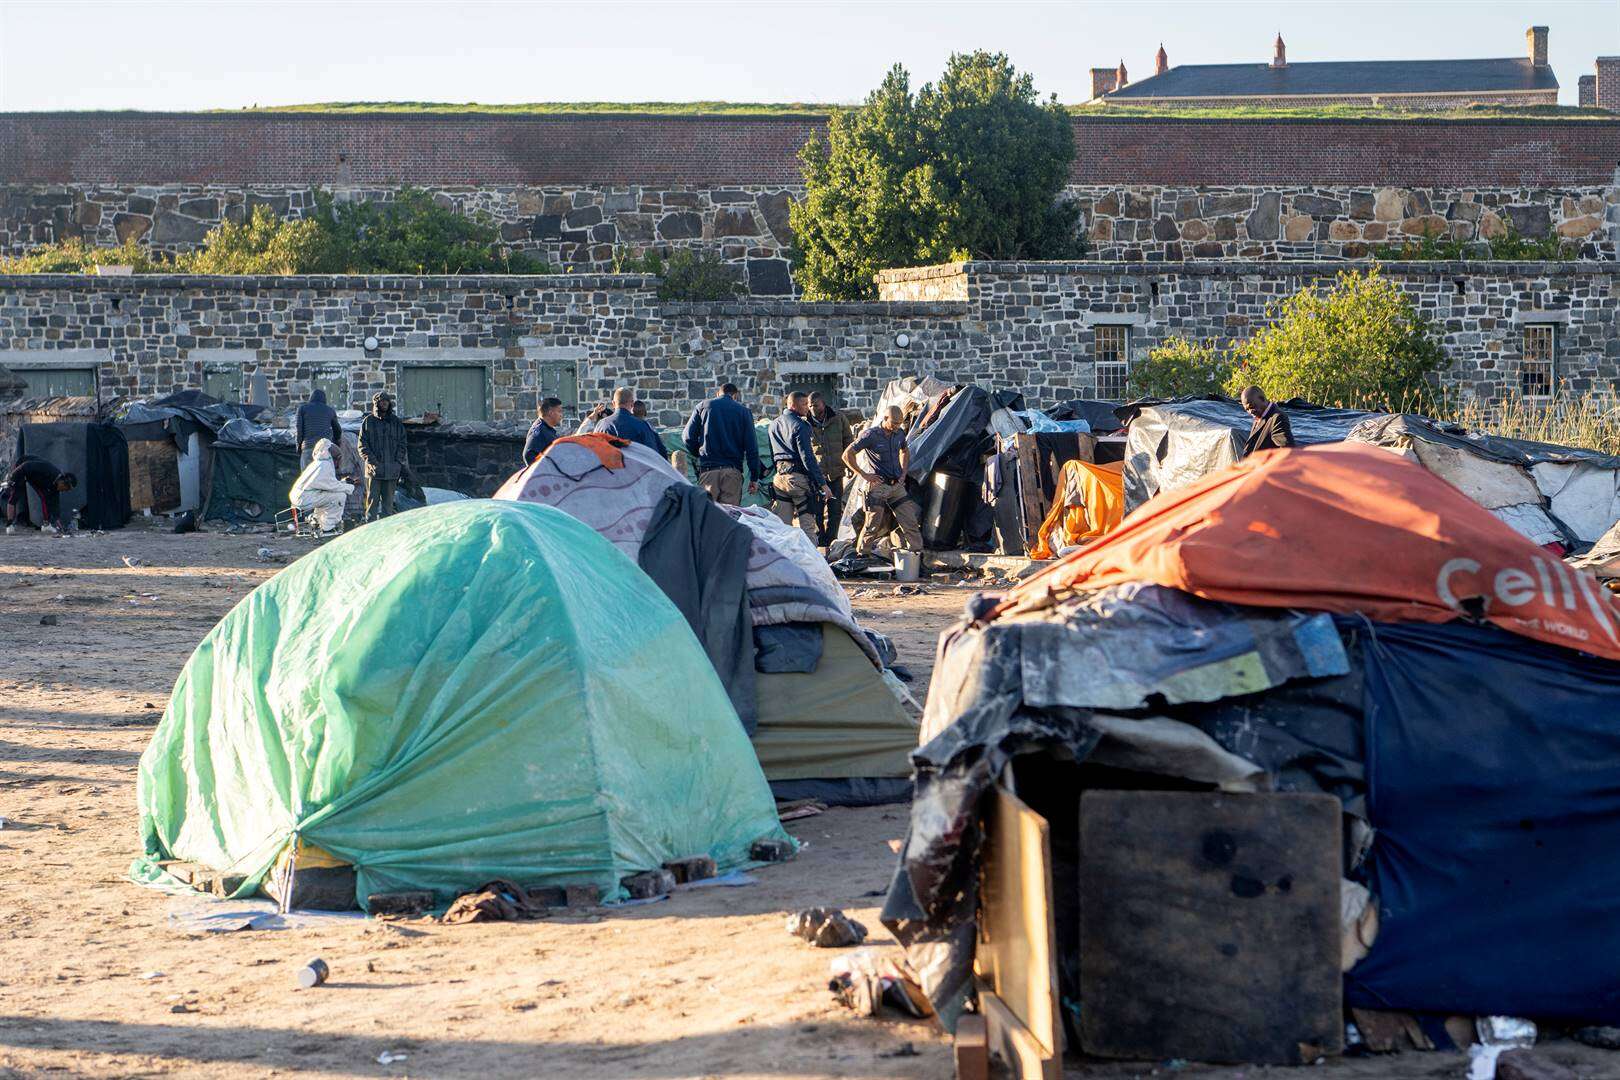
<point>1031,494</point>
<point>154,475</point>
<point>1209,926</point>
<point>1016,958</point>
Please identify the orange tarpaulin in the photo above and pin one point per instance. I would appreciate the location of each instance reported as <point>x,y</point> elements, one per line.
<point>1090,503</point>
<point>1351,529</point>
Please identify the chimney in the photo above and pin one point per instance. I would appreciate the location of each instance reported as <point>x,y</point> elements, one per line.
<point>1535,39</point>
<point>1588,91</point>
<point>1102,81</point>
<point>1120,79</point>
<point>1280,60</point>
<point>1161,62</point>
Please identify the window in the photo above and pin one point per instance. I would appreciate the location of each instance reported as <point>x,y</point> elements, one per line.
<point>1537,368</point>
<point>559,379</point>
<point>58,382</point>
<point>1111,348</point>
<point>455,393</point>
<point>335,381</point>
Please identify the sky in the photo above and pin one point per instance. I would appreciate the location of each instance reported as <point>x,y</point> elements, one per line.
<point>78,54</point>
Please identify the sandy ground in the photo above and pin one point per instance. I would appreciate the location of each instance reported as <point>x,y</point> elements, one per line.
<point>97,978</point>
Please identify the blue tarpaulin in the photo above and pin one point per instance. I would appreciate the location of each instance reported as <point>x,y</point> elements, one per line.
<point>1494,784</point>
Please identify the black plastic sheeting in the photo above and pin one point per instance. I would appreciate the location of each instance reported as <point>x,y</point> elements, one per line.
<point>1102,416</point>
<point>1171,444</point>
<point>1035,686</point>
<point>95,452</point>
<point>193,407</point>
<point>1392,430</point>
<point>250,482</point>
<point>847,791</point>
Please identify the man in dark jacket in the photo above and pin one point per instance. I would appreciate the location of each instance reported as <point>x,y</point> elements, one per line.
<point>623,423</point>
<point>720,435</point>
<point>48,483</point>
<point>544,430</point>
<point>382,449</point>
<point>798,482</point>
<point>316,420</point>
<point>830,433</point>
<point>1270,429</point>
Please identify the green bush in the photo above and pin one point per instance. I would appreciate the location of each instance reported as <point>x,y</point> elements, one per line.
<point>970,168</point>
<point>263,244</point>
<point>1181,368</point>
<point>1359,343</point>
<point>684,273</point>
<point>1510,245</point>
<point>74,256</point>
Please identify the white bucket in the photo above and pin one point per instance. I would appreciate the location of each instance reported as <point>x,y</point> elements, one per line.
<point>907,565</point>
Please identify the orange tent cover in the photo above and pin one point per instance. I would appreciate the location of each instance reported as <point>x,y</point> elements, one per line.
<point>1090,503</point>
<point>1351,529</point>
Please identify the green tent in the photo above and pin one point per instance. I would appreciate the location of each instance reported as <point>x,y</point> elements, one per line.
<point>465,692</point>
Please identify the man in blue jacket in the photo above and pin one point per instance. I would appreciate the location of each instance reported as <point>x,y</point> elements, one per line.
<point>799,485</point>
<point>625,424</point>
<point>720,435</point>
<point>543,432</point>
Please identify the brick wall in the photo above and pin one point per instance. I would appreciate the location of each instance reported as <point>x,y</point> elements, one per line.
<point>1606,88</point>
<point>1029,325</point>
<point>472,150</point>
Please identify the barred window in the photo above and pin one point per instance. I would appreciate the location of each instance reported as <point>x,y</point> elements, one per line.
<point>1112,353</point>
<point>1538,367</point>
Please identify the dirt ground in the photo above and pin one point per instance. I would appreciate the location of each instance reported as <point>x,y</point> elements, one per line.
<point>99,978</point>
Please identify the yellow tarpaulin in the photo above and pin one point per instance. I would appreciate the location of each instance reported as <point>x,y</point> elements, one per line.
<point>1090,503</point>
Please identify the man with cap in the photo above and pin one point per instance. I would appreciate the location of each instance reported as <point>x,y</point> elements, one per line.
<point>382,449</point>
<point>888,507</point>
<point>799,482</point>
<point>720,436</point>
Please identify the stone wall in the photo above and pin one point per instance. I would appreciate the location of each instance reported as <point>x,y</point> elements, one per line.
<point>1029,325</point>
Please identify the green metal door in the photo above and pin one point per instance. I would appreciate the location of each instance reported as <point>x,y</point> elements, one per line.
<point>58,382</point>
<point>560,379</point>
<point>223,381</point>
<point>455,393</point>
<point>335,381</point>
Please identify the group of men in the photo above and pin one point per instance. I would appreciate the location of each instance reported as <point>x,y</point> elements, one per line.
<point>812,445</point>
<point>320,489</point>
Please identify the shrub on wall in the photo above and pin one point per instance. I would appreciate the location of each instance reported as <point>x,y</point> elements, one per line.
<point>1511,245</point>
<point>1359,343</point>
<point>1181,368</point>
<point>263,244</point>
<point>74,256</point>
<point>969,168</point>
<point>684,273</point>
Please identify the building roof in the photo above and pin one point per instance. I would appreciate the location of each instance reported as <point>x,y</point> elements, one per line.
<point>1344,77</point>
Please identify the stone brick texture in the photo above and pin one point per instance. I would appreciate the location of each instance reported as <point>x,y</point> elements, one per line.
<point>1024,325</point>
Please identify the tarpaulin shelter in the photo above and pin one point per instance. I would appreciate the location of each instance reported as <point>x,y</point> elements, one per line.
<point>1173,443</point>
<point>824,721</point>
<point>249,480</point>
<point>1332,620</point>
<point>95,451</point>
<point>1551,494</point>
<point>475,691</point>
<point>1089,503</point>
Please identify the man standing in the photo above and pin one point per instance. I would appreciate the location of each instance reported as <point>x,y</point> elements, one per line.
<point>830,433</point>
<point>382,449</point>
<point>623,422</point>
<point>543,432</point>
<point>720,435</point>
<point>48,483</point>
<point>888,507</point>
<point>798,481</point>
<point>316,420</point>
<point>1270,430</point>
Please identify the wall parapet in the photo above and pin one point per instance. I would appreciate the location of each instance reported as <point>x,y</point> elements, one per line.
<point>327,282</point>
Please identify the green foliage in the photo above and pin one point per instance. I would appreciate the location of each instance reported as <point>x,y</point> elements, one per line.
<point>74,256</point>
<point>263,244</point>
<point>1511,245</point>
<point>684,273</point>
<point>969,168</point>
<point>1359,343</point>
<point>413,234</point>
<point>1181,368</point>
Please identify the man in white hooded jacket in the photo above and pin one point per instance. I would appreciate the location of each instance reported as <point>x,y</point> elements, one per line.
<point>318,491</point>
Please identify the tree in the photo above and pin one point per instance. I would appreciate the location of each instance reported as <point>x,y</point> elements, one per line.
<point>1360,343</point>
<point>1181,368</point>
<point>411,234</point>
<point>970,168</point>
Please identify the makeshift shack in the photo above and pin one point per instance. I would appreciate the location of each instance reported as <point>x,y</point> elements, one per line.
<point>478,691</point>
<point>1129,758</point>
<point>73,434</point>
<point>807,682</point>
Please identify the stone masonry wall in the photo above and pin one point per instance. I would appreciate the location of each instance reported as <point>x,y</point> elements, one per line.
<point>1026,325</point>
